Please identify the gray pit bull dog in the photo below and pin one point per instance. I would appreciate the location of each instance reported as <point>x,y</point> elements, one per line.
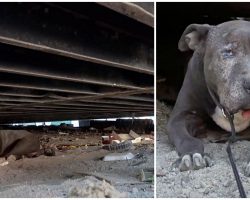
<point>221,62</point>
<point>18,143</point>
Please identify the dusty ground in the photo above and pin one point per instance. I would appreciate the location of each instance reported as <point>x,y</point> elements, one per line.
<point>211,182</point>
<point>77,172</point>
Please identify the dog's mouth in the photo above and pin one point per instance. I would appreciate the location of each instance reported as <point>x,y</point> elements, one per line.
<point>243,112</point>
<point>246,114</point>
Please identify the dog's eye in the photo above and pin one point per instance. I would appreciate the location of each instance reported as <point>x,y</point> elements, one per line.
<point>227,53</point>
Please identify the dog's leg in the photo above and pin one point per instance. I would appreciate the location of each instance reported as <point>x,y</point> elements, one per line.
<point>181,130</point>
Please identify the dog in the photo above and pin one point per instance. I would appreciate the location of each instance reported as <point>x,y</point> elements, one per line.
<point>221,64</point>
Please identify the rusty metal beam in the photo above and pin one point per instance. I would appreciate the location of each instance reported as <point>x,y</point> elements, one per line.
<point>90,97</point>
<point>89,110</point>
<point>77,104</point>
<point>81,41</point>
<point>131,10</point>
<point>27,82</point>
<point>34,93</point>
<point>77,56</point>
<point>17,61</point>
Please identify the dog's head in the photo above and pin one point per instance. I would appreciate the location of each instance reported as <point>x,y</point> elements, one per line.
<point>226,60</point>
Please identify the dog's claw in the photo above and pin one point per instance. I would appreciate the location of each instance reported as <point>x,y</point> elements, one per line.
<point>186,163</point>
<point>196,161</point>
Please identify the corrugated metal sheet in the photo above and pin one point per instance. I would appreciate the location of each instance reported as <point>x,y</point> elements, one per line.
<point>75,61</point>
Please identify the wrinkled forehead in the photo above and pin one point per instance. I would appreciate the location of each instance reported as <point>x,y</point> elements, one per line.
<point>226,33</point>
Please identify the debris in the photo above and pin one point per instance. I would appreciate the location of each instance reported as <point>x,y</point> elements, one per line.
<point>95,175</point>
<point>75,160</point>
<point>62,133</point>
<point>133,134</point>
<point>105,139</point>
<point>4,163</point>
<point>148,139</point>
<point>114,136</point>
<point>138,162</point>
<point>93,188</point>
<point>147,175</point>
<point>115,141</point>
<point>64,147</point>
<point>125,137</point>
<point>139,159</point>
<point>123,146</point>
<point>118,156</point>
<point>49,152</point>
<point>137,138</point>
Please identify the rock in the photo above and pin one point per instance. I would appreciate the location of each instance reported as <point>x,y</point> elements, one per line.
<point>11,158</point>
<point>4,163</point>
<point>95,189</point>
<point>49,152</point>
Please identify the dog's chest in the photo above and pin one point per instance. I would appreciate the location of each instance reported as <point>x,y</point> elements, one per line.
<point>240,123</point>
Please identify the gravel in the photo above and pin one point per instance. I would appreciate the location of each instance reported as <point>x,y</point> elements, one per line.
<point>212,182</point>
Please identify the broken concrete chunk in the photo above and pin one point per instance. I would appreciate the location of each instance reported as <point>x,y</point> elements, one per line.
<point>133,134</point>
<point>118,156</point>
<point>137,138</point>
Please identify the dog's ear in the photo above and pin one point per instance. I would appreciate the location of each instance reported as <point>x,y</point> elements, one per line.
<point>192,36</point>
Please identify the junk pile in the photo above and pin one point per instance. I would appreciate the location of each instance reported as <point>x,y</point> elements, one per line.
<point>109,145</point>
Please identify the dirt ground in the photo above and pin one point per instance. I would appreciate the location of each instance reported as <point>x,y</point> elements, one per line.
<point>212,182</point>
<point>77,172</point>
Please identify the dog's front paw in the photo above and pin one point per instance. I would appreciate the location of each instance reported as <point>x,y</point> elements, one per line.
<point>194,162</point>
